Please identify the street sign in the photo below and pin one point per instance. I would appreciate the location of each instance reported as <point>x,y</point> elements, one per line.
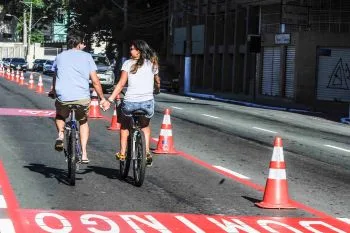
<point>282,38</point>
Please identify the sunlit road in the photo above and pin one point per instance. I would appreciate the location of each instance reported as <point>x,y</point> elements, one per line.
<point>211,137</point>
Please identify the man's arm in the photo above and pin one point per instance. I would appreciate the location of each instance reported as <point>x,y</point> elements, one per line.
<point>52,92</point>
<point>97,85</point>
<point>98,88</point>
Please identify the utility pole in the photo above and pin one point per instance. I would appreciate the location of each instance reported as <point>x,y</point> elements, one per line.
<point>188,52</point>
<point>30,30</point>
<point>25,30</point>
<point>125,26</point>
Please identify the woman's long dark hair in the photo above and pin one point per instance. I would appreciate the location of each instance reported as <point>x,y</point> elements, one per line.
<point>146,53</point>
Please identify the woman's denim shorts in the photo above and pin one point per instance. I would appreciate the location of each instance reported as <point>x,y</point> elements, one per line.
<point>128,107</point>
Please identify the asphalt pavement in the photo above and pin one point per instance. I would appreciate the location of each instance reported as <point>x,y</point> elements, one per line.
<point>210,136</point>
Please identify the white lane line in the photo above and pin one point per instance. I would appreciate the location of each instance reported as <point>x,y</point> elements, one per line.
<point>265,130</point>
<point>231,172</point>
<point>210,116</point>
<point>338,148</point>
<point>347,220</point>
<point>2,202</point>
<point>6,225</point>
<point>176,107</point>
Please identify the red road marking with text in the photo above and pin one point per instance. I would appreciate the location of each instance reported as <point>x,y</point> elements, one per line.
<point>27,112</point>
<point>41,221</point>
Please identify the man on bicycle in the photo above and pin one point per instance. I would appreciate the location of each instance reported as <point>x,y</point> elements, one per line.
<point>73,68</point>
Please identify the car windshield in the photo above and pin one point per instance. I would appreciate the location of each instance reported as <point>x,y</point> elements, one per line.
<point>18,60</point>
<point>101,61</point>
<point>40,61</point>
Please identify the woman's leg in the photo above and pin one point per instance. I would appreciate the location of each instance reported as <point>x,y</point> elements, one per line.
<point>147,131</point>
<point>124,133</point>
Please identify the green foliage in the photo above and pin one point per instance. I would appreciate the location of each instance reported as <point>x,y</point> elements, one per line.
<point>37,37</point>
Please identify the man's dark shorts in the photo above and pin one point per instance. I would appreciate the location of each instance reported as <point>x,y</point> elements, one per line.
<point>81,114</point>
<point>126,108</point>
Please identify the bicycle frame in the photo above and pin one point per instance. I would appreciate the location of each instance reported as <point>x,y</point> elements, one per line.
<point>73,151</point>
<point>72,124</point>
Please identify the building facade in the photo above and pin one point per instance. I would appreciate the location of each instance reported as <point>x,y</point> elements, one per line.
<point>279,51</point>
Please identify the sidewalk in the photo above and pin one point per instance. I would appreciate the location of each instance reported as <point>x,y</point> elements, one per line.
<point>267,102</point>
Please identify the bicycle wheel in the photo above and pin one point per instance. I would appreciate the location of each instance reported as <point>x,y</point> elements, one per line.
<point>71,156</point>
<point>139,163</point>
<point>125,165</point>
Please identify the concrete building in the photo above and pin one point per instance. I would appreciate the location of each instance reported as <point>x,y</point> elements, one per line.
<point>284,52</point>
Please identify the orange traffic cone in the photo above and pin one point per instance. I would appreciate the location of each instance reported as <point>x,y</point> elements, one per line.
<point>40,86</point>
<point>165,142</point>
<point>17,76</point>
<point>13,75</point>
<point>8,74</point>
<point>114,122</point>
<point>94,111</point>
<point>21,79</point>
<point>276,189</point>
<point>31,82</point>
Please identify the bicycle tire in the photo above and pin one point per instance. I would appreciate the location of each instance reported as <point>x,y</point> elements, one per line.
<point>139,164</point>
<point>124,166</point>
<point>71,157</point>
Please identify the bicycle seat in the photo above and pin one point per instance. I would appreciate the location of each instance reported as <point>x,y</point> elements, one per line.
<point>139,112</point>
<point>73,106</point>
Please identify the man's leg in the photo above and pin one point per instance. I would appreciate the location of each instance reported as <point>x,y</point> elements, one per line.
<point>60,130</point>
<point>84,137</point>
<point>61,114</point>
<point>60,127</point>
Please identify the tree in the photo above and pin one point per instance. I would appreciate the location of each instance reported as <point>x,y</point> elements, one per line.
<point>40,8</point>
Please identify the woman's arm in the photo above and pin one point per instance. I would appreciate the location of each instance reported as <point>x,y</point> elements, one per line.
<point>119,87</point>
<point>157,82</point>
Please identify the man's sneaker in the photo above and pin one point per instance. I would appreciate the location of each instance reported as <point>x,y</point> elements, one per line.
<point>149,159</point>
<point>59,144</point>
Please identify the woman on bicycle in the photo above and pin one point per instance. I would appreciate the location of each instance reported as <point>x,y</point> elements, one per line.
<point>141,73</point>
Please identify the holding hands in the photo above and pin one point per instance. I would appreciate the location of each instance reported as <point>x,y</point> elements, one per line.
<point>105,104</point>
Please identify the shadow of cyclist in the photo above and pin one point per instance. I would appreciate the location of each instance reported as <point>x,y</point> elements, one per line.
<point>50,172</point>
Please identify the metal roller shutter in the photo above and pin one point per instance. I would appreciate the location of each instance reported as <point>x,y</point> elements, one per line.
<point>333,76</point>
<point>290,65</point>
<point>271,80</point>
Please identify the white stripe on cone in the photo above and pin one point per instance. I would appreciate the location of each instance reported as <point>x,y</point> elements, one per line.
<point>166,120</point>
<point>277,154</point>
<point>277,174</point>
<point>166,132</point>
<point>94,103</point>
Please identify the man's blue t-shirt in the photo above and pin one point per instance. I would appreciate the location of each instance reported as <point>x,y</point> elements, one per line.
<point>73,68</point>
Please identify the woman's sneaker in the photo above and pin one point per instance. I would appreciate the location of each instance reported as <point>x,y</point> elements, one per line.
<point>149,159</point>
<point>120,156</point>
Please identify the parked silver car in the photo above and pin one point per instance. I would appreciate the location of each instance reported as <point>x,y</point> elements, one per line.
<point>104,71</point>
<point>47,65</point>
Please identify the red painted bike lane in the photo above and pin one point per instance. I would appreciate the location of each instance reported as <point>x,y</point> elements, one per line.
<point>15,219</point>
<point>61,221</point>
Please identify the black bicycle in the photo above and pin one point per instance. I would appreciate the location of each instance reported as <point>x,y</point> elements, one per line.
<point>136,150</point>
<point>73,148</point>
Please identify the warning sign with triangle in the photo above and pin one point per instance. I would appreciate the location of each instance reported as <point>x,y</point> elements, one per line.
<point>340,77</point>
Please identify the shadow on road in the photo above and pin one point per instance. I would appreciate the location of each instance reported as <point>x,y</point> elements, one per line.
<point>61,174</point>
<point>50,172</point>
